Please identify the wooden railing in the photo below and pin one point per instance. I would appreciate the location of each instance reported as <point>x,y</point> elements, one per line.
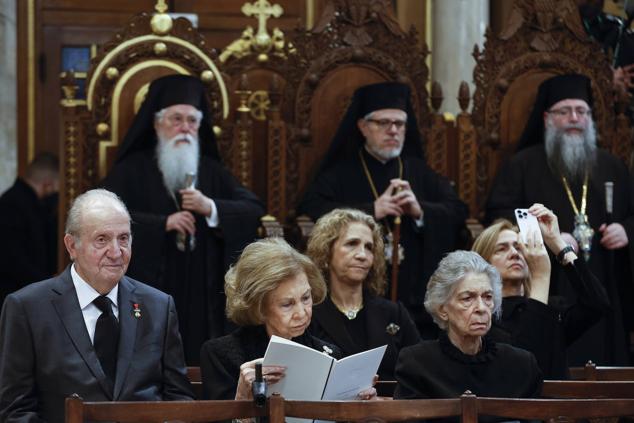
<point>468,408</point>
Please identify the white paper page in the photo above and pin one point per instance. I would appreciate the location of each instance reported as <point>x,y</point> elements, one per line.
<point>306,369</point>
<point>353,374</point>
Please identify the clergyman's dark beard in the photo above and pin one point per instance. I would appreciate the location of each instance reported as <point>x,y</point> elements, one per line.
<point>570,155</point>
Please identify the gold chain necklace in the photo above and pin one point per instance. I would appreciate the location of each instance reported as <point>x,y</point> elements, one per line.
<point>369,177</point>
<point>582,232</point>
<point>389,244</point>
<point>350,313</point>
<point>584,195</point>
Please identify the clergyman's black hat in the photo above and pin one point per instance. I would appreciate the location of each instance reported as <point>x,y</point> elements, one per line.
<point>164,92</point>
<point>367,99</point>
<point>550,92</point>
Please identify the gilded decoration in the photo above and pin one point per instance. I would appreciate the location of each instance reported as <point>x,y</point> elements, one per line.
<point>260,42</point>
<point>259,103</point>
<point>69,90</point>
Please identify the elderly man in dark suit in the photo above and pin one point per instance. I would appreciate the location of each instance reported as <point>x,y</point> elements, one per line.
<point>91,330</point>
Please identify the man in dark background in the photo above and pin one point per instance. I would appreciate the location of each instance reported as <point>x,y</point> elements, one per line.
<point>28,223</point>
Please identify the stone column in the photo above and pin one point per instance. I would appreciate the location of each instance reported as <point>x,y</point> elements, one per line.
<point>456,26</point>
<point>8,99</point>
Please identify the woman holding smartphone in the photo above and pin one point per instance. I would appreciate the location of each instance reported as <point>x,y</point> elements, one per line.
<point>528,320</point>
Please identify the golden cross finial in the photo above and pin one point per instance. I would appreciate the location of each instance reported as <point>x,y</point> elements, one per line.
<point>161,6</point>
<point>263,10</point>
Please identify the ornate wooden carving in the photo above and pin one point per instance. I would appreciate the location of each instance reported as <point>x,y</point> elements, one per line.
<point>277,158</point>
<point>242,148</point>
<point>467,152</point>
<point>270,227</point>
<point>361,40</point>
<point>541,39</point>
<point>74,175</point>
<point>261,61</point>
<point>437,138</point>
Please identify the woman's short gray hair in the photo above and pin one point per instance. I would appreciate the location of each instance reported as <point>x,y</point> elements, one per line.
<point>450,272</point>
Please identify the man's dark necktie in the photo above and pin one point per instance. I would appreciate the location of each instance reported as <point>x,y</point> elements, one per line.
<point>107,337</point>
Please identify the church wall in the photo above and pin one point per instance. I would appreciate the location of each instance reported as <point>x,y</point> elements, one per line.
<point>8,141</point>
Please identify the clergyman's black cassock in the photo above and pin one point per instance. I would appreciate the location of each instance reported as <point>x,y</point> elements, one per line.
<point>195,279</point>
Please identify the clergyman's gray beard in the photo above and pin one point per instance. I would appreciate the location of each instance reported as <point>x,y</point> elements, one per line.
<point>571,155</point>
<point>176,161</point>
<point>384,154</point>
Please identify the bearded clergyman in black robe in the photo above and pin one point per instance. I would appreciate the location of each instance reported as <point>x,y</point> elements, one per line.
<point>559,165</point>
<point>375,163</point>
<point>191,217</point>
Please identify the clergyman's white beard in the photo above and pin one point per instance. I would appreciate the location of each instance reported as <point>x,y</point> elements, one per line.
<point>175,161</point>
<point>571,155</point>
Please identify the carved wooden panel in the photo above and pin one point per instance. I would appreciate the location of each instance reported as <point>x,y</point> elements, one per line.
<point>257,78</point>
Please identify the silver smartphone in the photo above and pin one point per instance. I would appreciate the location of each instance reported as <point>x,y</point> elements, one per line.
<point>527,224</point>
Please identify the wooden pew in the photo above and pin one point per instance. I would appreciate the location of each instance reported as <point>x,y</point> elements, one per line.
<point>556,388</point>
<point>545,409</point>
<point>193,374</point>
<point>78,411</point>
<point>593,372</point>
<point>382,411</point>
<point>587,389</point>
<point>467,408</point>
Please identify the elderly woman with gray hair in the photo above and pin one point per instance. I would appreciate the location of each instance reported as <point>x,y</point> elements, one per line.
<point>463,296</point>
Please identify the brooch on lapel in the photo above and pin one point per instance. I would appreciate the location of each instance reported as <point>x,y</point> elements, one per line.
<point>327,350</point>
<point>392,328</point>
<point>136,310</point>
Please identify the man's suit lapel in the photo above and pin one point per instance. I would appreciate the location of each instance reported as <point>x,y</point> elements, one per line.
<point>128,324</point>
<point>67,307</point>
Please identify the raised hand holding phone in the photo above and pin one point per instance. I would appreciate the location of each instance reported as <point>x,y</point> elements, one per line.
<point>528,225</point>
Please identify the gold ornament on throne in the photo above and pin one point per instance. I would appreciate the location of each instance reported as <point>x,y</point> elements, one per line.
<point>140,97</point>
<point>260,42</point>
<point>259,103</point>
<point>161,22</point>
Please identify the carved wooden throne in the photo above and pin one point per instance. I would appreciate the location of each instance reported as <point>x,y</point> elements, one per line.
<point>542,38</point>
<point>150,46</point>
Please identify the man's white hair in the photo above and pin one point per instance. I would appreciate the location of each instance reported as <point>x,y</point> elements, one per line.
<point>86,201</point>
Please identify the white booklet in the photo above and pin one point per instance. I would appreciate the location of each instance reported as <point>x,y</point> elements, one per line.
<point>313,375</point>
